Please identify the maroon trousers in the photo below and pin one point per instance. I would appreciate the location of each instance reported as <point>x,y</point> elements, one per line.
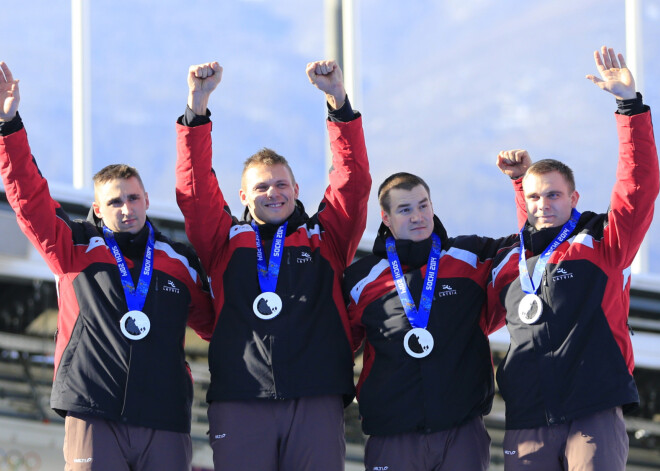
<point>95,444</point>
<point>464,448</point>
<point>305,434</point>
<point>593,443</point>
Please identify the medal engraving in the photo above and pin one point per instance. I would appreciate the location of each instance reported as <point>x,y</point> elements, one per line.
<point>418,342</point>
<point>530,309</point>
<point>135,325</point>
<point>267,305</point>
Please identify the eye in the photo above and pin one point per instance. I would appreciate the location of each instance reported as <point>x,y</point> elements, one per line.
<point>133,197</point>
<point>282,185</point>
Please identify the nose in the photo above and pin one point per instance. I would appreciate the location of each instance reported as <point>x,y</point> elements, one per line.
<point>124,209</point>
<point>415,216</point>
<point>270,192</point>
<point>543,202</point>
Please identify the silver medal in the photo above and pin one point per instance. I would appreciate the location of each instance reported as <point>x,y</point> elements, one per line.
<point>135,325</point>
<point>267,305</point>
<point>530,309</point>
<point>418,342</point>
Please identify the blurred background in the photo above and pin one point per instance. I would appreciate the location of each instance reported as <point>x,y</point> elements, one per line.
<point>443,87</point>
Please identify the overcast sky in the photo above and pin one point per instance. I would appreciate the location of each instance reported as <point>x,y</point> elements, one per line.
<point>444,86</point>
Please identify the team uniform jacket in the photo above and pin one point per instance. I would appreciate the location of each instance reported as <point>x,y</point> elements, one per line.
<point>98,371</point>
<point>577,359</point>
<point>454,383</point>
<point>305,350</point>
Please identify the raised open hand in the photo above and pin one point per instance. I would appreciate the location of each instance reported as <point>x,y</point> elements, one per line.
<point>616,78</point>
<point>9,96</point>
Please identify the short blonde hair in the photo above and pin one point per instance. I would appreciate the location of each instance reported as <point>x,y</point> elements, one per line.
<point>266,157</point>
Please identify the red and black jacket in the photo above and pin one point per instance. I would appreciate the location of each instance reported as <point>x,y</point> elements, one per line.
<point>305,350</point>
<point>454,383</point>
<point>98,371</point>
<point>578,358</point>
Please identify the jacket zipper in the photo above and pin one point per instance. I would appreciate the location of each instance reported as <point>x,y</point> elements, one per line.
<point>128,370</point>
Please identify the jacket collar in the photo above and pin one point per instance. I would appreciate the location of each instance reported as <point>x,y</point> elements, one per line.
<point>267,231</point>
<point>411,254</point>
<point>537,240</point>
<point>131,245</point>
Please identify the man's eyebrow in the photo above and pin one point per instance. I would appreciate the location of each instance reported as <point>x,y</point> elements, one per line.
<point>403,205</point>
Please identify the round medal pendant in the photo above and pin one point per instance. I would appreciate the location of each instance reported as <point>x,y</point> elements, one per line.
<point>135,325</point>
<point>267,305</point>
<point>418,342</point>
<point>530,309</point>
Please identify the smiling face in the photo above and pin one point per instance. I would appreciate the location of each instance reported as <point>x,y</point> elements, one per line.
<point>122,204</point>
<point>269,192</point>
<point>410,214</point>
<point>549,199</point>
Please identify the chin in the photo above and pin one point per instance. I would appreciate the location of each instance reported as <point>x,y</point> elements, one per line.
<point>544,226</point>
<point>266,219</point>
<point>278,218</point>
<point>419,237</point>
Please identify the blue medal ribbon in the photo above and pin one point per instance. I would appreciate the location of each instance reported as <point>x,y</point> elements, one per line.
<point>135,296</point>
<point>418,318</point>
<point>268,272</point>
<point>531,286</point>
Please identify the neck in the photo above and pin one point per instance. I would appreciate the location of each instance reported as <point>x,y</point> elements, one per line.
<point>131,244</point>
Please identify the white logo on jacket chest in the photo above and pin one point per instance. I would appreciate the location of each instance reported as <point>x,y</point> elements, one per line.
<point>304,257</point>
<point>561,274</point>
<point>170,287</point>
<point>447,291</point>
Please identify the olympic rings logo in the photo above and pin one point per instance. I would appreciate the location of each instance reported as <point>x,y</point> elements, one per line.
<point>14,460</point>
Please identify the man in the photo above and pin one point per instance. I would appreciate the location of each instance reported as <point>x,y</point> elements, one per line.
<point>567,376</point>
<point>427,375</point>
<point>280,356</point>
<point>125,295</point>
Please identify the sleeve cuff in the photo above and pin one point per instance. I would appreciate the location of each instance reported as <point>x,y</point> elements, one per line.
<point>10,127</point>
<point>343,114</point>
<point>192,120</point>
<point>631,107</point>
